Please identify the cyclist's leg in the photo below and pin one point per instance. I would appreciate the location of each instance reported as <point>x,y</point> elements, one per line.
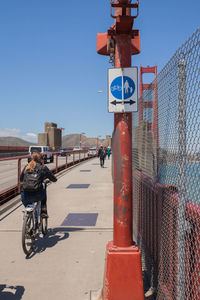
<point>44,199</point>
<point>27,198</point>
<point>44,204</point>
<point>24,199</point>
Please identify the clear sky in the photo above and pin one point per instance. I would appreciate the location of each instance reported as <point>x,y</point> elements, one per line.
<point>49,68</point>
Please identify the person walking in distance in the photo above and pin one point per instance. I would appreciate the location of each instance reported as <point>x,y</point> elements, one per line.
<point>108,152</point>
<point>33,185</point>
<point>101,155</point>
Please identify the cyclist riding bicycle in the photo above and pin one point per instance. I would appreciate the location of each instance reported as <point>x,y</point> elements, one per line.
<point>33,185</point>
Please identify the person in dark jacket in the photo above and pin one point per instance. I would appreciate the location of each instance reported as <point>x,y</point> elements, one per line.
<point>40,195</point>
<point>101,155</point>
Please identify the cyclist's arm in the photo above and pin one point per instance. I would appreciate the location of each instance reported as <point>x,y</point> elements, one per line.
<point>22,175</point>
<point>48,174</point>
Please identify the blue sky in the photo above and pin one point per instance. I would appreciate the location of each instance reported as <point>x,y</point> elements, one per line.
<point>49,68</point>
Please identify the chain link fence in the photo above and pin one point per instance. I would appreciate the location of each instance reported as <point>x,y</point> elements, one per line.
<point>166,178</point>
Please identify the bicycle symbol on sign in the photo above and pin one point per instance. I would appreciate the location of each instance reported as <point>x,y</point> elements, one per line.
<point>116,88</point>
<point>122,87</point>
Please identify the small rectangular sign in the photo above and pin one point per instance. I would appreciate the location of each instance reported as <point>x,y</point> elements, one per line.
<point>122,89</point>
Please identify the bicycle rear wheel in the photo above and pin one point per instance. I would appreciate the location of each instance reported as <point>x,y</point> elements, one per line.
<point>27,234</point>
<point>44,222</point>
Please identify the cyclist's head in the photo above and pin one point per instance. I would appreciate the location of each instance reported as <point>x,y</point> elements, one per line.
<point>37,157</point>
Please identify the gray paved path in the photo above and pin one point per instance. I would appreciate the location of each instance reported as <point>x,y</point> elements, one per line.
<point>69,263</point>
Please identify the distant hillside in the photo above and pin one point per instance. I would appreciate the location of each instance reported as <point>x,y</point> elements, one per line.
<point>71,140</point>
<point>14,141</point>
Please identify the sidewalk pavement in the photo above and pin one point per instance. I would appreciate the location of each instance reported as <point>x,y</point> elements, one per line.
<point>69,263</point>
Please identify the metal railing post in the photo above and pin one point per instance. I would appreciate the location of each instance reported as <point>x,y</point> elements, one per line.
<point>56,163</point>
<point>66,161</point>
<point>18,177</point>
<point>181,180</point>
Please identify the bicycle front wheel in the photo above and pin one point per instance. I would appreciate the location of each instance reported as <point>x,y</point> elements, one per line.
<point>27,234</point>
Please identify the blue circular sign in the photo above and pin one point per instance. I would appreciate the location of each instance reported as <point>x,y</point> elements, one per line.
<point>128,87</point>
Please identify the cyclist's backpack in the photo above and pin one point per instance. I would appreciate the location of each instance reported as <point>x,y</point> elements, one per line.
<point>32,180</point>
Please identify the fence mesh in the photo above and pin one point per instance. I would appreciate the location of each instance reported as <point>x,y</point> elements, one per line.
<point>166,178</point>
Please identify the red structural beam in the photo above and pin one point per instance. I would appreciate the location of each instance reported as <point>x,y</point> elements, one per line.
<point>147,69</point>
<point>147,86</point>
<point>153,104</point>
<point>13,149</point>
<point>147,104</point>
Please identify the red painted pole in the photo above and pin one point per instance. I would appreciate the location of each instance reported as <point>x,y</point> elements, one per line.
<point>123,270</point>
<point>122,157</point>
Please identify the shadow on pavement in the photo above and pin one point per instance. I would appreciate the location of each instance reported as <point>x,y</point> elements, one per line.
<point>8,292</point>
<point>53,236</point>
<point>10,212</point>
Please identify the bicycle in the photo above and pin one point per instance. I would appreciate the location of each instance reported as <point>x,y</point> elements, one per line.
<point>33,225</point>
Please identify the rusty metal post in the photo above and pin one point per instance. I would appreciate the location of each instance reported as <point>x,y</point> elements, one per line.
<point>123,270</point>
<point>122,157</point>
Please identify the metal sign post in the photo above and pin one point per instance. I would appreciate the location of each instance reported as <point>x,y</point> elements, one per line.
<point>123,270</point>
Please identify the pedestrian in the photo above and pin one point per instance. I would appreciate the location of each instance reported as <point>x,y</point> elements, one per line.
<point>105,149</point>
<point>101,155</point>
<point>108,152</point>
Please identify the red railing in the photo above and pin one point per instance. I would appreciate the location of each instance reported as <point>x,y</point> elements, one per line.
<point>14,190</point>
<point>155,226</point>
<point>13,149</point>
<point>193,251</point>
<point>147,213</point>
<point>151,219</point>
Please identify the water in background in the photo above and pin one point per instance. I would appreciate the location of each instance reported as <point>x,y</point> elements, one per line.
<point>169,175</point>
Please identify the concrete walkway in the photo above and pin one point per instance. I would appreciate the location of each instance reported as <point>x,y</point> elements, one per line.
<point>69,263</point>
